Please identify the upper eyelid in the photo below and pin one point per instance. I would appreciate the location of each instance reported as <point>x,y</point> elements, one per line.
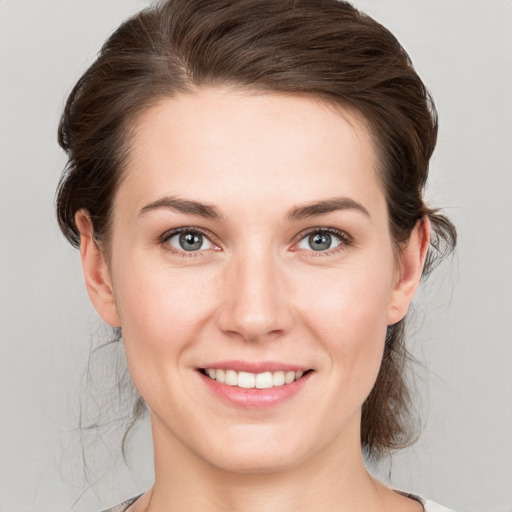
<point>166,236</point>
<point>338,232</point>
<point>187,229</point>
<point>343,235</point>
<point>346,241</point>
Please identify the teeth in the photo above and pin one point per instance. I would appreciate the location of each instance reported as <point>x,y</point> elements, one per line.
<point>248,380</point>
<point>278,378</point>
<point>264,380</point>
<point>231,378</point>
<point>289,377</point>
<point>245,380</point>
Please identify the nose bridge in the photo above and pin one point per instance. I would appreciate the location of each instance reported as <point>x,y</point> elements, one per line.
<point>254,302</point>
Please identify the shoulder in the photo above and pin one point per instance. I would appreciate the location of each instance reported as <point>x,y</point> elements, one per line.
<point>432,506</point>
<point>428,505</point>
<point>122,506</point>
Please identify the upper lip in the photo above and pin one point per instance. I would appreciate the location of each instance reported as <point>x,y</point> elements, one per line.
<point>255,366</point>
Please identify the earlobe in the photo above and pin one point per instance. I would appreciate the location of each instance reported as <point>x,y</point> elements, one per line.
<point>96,272</point>
<point>411,262</point>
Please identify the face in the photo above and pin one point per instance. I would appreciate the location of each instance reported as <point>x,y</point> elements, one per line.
<point>253,275</point>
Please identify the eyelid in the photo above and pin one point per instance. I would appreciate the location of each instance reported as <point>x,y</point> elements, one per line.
<point>344,237</point>
<point>164,237</point>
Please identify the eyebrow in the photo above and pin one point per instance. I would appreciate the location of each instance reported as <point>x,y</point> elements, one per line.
<point>325,206</point>
<point>190,207</point>
<point>180,205</point>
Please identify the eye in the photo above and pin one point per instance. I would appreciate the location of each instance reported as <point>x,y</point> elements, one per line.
<point>321,240</point>
<point>189,240</point>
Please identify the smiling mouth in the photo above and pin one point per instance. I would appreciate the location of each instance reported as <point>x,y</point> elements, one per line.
<point>247,380</point>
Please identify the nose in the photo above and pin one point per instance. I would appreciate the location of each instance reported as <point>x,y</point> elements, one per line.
<point>255,301</point>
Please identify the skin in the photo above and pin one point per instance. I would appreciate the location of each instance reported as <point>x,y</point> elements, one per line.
<point>256,291</point>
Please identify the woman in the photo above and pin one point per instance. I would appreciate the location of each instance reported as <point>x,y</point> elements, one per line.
<point>245,185</point>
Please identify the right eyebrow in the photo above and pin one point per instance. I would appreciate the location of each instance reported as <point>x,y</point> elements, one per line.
<point>181,205</point>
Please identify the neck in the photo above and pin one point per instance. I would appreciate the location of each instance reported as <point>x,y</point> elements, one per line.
<point>334,480</point>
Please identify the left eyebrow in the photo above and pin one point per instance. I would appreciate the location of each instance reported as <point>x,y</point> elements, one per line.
<point>325,206</point>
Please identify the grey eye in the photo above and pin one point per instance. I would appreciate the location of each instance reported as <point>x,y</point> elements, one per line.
<point>190,241</point>
<point>319,241</point>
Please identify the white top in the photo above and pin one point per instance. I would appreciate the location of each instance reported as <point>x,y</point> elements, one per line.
<point>428,505</point>
<point>432,506</point>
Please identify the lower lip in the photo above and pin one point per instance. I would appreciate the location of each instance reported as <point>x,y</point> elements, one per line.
<point>255,398</point>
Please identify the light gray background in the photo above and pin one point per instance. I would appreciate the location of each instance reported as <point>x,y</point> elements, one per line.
<point>462,49</point>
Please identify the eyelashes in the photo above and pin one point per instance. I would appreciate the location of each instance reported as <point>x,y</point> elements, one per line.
<point>323,241</point>
<point>188,241</point>
<point>191,241</point>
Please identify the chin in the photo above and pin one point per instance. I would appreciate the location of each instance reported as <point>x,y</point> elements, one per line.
<point>255,452</point>
<point>254,463</point>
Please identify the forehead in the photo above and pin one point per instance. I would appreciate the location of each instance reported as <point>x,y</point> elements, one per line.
<point>223,144</point>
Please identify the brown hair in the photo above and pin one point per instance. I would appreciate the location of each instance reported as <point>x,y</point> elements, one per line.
<point>323,48</point>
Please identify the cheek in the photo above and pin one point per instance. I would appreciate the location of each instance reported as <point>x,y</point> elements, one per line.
<point>162,313</point>
<point>347,313</point>
<point>353,299</point>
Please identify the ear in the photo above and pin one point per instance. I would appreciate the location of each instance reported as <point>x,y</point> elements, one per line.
<point>96,273</point>
<point>411,261</point>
